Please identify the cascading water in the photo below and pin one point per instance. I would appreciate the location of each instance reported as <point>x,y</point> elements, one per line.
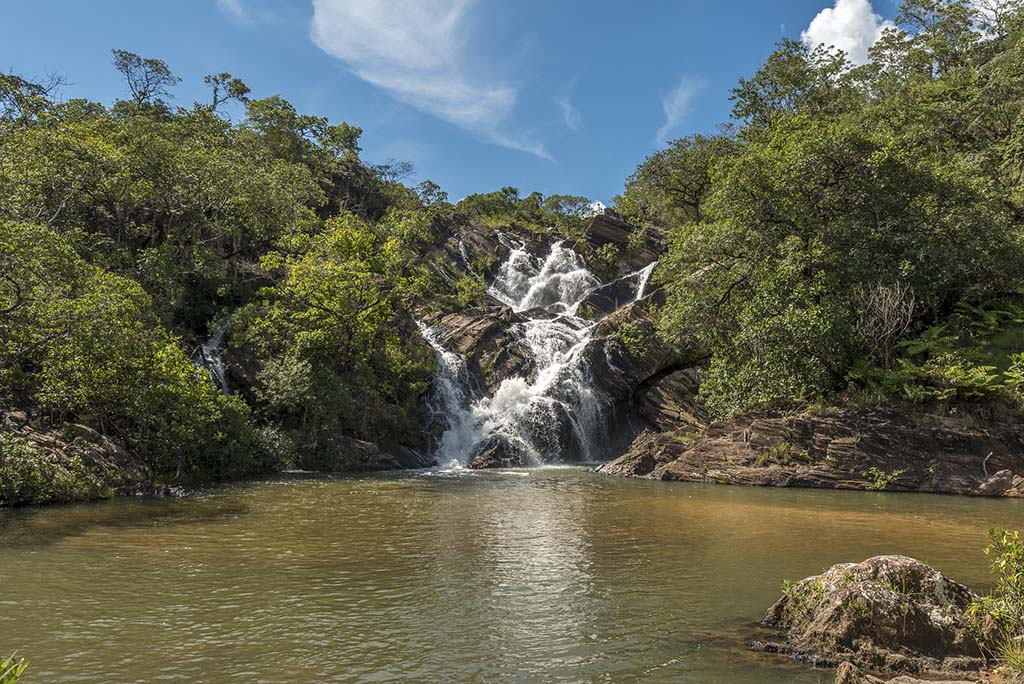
<point>210,357</point>
<point>557,413</point>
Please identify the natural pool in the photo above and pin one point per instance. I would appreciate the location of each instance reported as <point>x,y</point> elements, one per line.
<point>545,575</point>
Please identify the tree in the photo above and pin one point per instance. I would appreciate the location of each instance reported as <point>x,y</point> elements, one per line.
<point>147,79</point>
<point>225,88</point>
<point>670,186</point>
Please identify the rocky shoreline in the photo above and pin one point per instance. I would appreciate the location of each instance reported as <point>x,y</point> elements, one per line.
<point>839,447</point>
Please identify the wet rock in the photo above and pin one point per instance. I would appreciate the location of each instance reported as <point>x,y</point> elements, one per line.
<point>889,613</point>
<point>411,459</point>
<point>487,338</point>
<point>839,448</point>
<point>498,452</point>
<point>608,298</point>
<point>462,247</point>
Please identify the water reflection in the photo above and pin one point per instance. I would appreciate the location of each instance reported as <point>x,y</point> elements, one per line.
<point>550,575</point>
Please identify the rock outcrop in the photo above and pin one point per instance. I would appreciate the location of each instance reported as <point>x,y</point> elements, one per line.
<point>344,454</point>
<point>837,448</point>
<point>60,464</point>
<point>485,337</point>
<point>636,247</point>
<point>889,613</point>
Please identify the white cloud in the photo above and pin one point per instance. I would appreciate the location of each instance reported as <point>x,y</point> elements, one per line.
<point>417,51</point>
<point>234,9</point>
<point>677,105</point>
<point>570,114</point>
<point>852,26</point>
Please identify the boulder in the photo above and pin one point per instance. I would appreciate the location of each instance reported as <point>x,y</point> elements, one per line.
<point>888,613</point>
<point>498,452</point>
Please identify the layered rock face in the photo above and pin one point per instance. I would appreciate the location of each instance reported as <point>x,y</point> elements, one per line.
<point>840,448</point>
<point>636,247</point>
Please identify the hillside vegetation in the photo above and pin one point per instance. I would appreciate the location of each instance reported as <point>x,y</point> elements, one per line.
<point>858,227</point>
<point>856,232</point>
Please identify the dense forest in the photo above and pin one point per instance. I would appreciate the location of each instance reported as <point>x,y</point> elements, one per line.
<point>855,234</point>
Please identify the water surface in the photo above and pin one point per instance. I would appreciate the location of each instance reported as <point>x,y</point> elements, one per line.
<point>546,575</point>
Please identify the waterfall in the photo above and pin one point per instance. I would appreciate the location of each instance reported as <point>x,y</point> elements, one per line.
<point>211,357</point>
<point>559,411</point>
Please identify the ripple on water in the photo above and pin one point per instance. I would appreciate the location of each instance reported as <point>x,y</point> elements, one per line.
<point>551,574</point>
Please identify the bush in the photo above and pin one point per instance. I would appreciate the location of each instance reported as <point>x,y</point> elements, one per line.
<point>1003,608</point>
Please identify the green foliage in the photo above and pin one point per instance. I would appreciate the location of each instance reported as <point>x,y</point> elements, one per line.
<point>604,261</point>
<point>636,337</point>
<point>126,230</point>
<point>339,358</point>
<point>1003,607</point>
<point>852,210</point>
<point>84,344</point>
<point>564,215</point>
<point>12,668</point>
<point>880,479</point>
<point>29,475</point>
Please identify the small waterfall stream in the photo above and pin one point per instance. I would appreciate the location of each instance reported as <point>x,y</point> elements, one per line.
<point>559,411</point>
<point>211,357</point>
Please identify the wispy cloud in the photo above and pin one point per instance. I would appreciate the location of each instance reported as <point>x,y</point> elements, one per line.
<point>234,9</point>
<point>677,106</point>
<point>570,115</point>
<point>418,51</point>
<point>851,25</point>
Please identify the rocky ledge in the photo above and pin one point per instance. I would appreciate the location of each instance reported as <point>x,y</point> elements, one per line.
<point>888,616</point>
<point>837,448</point>
<point>70,463</point>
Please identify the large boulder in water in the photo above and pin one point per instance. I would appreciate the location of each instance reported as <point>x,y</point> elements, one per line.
<point>889,613</point>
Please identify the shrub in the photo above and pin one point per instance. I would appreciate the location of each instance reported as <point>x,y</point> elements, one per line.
<point>1003,608</point>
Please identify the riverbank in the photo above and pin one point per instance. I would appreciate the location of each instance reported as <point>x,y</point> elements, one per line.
<point>880,448</point>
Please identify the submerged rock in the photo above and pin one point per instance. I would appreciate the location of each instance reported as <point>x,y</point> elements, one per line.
<point>889,613</point>
<point>848,673</point>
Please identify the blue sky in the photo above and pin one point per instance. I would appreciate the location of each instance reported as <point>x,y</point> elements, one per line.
<point>557,96</point>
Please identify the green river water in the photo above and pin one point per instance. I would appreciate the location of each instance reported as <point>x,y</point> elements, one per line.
<point>546,575</point>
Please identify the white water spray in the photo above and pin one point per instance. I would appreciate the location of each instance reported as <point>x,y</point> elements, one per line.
<point>557,413</point>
